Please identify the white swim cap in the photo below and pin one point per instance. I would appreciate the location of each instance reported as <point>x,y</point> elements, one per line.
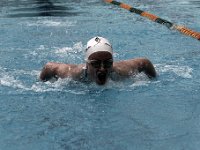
<point>97,44</point>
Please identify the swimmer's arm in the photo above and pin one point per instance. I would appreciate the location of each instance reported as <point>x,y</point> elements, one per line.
<point>48,72</point>
<point>145,65</point>
<point>59,70</point>
<point>134,66</point>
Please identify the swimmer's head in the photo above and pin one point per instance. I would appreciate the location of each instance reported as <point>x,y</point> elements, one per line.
<point>97,44</point>
<point>99,59</point>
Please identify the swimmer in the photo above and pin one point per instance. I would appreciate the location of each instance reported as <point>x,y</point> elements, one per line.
<point>99,66</point>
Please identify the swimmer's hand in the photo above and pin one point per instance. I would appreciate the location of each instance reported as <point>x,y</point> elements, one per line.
<point>48,73</point>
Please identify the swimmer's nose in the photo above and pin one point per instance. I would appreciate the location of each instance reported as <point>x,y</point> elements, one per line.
<point>102,68</point>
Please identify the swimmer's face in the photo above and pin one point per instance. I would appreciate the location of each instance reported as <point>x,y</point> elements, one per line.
<point>99,66</point>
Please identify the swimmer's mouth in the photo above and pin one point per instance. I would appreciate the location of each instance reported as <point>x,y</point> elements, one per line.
<point>101,78</point>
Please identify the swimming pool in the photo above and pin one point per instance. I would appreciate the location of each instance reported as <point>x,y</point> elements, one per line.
<point>135,114</point>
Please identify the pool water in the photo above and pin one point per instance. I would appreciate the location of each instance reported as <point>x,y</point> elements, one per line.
<point>136,114</point>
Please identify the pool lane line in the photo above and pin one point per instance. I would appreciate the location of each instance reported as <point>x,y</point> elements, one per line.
<point>152,17</point>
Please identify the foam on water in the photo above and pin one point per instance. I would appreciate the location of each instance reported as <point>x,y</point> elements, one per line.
<point>76,48</point>
<point>51,23</point>
<point>12,79</point>
<point>181,71</point>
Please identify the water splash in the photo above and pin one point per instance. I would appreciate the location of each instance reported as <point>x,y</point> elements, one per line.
<point>8,79</point>
<point>76,48</point>
<point>16,79</point>
<point>51,23</point>
<point>181,71</point>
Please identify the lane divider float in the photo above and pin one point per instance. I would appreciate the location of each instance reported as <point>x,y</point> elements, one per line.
<point>152,17</point>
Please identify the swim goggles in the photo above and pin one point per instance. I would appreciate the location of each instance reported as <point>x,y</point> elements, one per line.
<point>98,63</point>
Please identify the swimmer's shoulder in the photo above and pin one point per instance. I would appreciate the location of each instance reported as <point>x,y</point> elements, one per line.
<point>64,70</point>
<point>122,67</point>
<point>75,71</point>
<point>125,68</point>
<point>129,64</point>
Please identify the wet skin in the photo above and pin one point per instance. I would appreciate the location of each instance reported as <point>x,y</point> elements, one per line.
<point>101,73</point>
<point>99,65</point>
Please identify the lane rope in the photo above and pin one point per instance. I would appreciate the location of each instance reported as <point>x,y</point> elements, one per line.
<point>184,30</point>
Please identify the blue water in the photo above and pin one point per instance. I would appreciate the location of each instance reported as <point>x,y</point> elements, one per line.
<point>136,114</point>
